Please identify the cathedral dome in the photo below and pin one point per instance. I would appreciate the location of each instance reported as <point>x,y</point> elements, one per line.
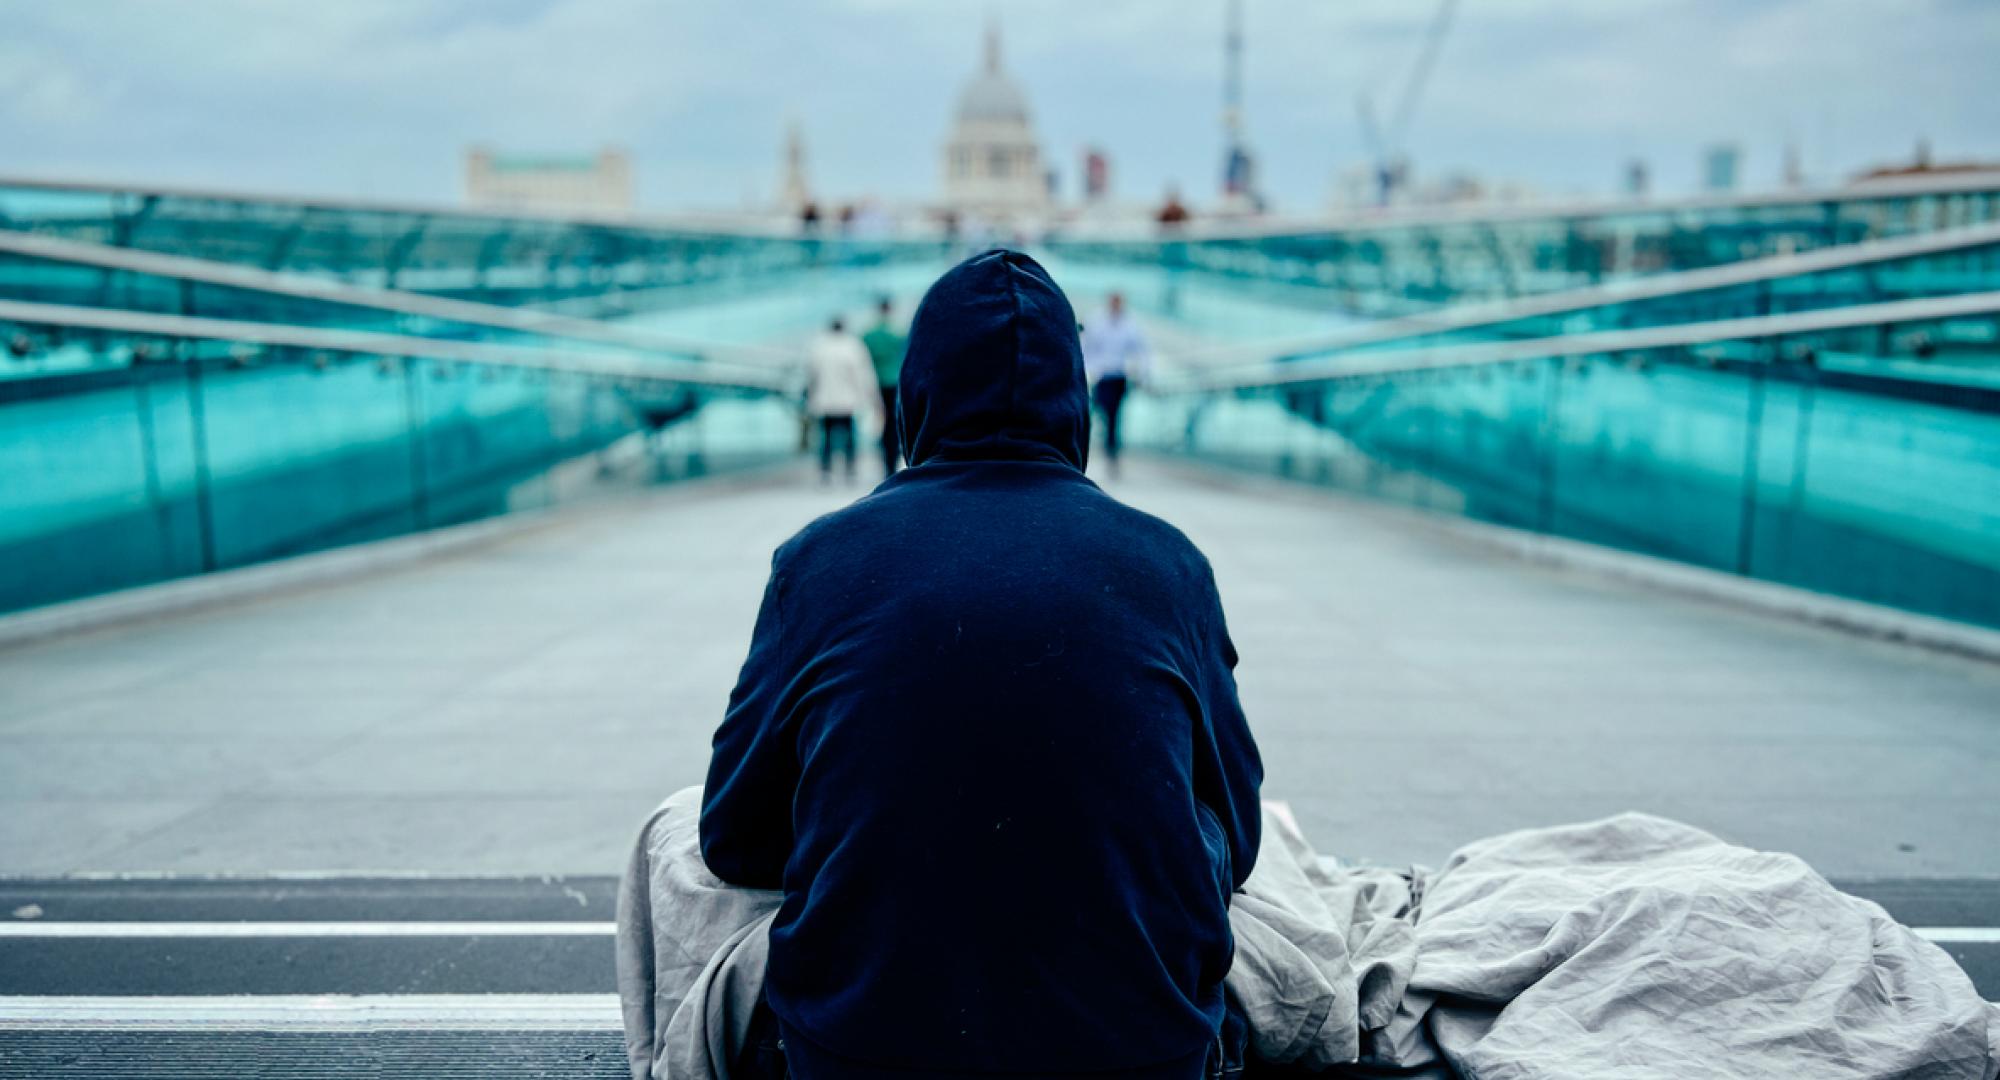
<point>992,163</point>
<point>992,97</point>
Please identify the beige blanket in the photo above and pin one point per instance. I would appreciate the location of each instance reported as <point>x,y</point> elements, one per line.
<point>1632,947</point>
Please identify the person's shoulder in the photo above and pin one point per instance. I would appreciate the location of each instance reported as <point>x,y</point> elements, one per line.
<point>1132,528</point>
<point>798,554</point>
<point>1161,531</point>
<point>828,534</point>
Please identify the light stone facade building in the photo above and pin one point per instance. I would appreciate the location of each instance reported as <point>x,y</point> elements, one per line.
<point>993,162</point>
<point>602,181</point>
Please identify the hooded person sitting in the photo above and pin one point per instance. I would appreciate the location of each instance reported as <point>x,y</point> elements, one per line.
<point>987,740</point>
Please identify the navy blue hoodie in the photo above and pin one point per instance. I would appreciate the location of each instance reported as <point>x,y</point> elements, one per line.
<point>987,738</point>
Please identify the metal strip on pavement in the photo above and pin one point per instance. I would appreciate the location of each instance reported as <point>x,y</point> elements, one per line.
<point>247,929</point>
<point>371,1012</point>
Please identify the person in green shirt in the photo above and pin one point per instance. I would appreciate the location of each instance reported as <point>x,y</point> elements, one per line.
<point>885,348</point>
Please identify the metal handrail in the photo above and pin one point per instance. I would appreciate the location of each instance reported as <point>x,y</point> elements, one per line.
<point>1612,341</point>
<point>1986,182</point>
<point>1653,287</point>
<point>689,224</point>
<point>303,286</point>
<point>754,227</point>
<point>380,344</point>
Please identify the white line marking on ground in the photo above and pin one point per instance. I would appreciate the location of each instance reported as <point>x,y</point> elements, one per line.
<point>1960,935</point>
<point>372,1012</point>
<point>572,928</point>
<point>1943,935</point>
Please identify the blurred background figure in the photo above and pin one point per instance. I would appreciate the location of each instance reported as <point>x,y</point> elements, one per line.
<point>1114,356</point>
<point>885,351</point>
<point>1173,212</point>
<point>838,382</point>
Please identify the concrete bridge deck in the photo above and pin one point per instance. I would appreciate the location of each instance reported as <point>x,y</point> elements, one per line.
<point>417,785</point>
<point>515,708</point>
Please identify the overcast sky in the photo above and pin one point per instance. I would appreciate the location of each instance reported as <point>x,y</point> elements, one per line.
<point>379,97</point>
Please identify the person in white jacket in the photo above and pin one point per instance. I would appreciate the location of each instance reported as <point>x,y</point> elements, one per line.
<point>1114,360</point>
<point>840,386</point>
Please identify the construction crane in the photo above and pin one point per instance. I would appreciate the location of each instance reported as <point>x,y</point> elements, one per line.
<point>1386,144</point>
<point>1239,182</point>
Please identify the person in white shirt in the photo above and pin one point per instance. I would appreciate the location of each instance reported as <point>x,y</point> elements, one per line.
<point>840,386</point>
<point>1114,357</point>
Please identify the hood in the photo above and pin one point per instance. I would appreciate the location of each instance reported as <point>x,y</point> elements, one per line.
<point>994,370</point>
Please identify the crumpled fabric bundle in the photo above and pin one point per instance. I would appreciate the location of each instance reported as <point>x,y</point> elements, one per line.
<point>1323,956</point>
<point>1638,947</point>
<point>1632,947</point>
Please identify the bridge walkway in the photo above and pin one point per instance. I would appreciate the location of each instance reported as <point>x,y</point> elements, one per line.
<point>471,739</point>
<point>517,707</point>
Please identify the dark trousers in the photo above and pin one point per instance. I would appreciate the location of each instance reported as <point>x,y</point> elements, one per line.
<point>891,440</point>
<point>830,429</point>
<point>1110,394</point>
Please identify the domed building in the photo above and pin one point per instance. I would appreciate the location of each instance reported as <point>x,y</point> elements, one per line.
<point>993,164</point>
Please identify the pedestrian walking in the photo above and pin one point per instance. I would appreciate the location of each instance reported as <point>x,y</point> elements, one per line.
<point>1114,357</point>
<point>838,390</point>
<point>885,351</point>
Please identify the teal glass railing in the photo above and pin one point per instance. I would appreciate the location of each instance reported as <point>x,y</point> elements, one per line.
<point>1948,263</point>
<point>512,258</point>
<point>40,269</point>
<point>1787,448</point>
<point>1395,262</point>
<point>205,445</point>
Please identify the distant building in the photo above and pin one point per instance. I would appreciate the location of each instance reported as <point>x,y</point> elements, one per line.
<point>1719,167</point>
<point>1353,188</point>
<point>1638,179</point>
<point>1455,189</point>
<point>602,181</point>
<point>1794,174</point>
<point>1239,167</point>
<point>1922,164</point>
<point>1096,175</point>
<point>1239,180</point>
<point>796,192</point>
<point>992,162</point>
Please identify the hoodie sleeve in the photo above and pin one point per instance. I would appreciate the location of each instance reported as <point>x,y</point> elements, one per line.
<point>1228,772</point>
<point>753,772</point>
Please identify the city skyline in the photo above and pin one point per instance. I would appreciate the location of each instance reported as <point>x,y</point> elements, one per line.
<point>381,99</point>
